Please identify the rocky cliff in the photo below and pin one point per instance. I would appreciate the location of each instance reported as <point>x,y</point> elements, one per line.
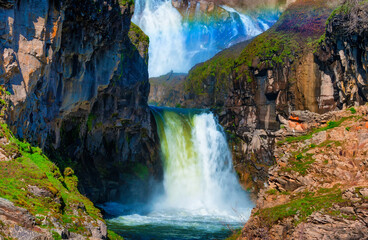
<point>254,85</point>
<point>38,201</point>
<point>318,187</point>
<point>77,76</point>
<point>299,64</point>
<point>342,57</point>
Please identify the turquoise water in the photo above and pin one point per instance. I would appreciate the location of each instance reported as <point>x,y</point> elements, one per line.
<point>172,225</point>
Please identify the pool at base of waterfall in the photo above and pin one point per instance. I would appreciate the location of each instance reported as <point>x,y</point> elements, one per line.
<point>173,224</point>
<point>200,198</point>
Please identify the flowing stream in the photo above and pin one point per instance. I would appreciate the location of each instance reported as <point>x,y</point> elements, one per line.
<point>202,197</point>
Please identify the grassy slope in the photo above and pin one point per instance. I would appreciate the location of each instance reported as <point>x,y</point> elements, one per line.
<point>305,203</point>
<point>299,29</point>
<point>219,67</point>
<point>30,167</point>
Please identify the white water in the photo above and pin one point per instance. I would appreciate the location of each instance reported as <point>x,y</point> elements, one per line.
<point>177,43</point>
<point>198,167</point>
<point>202,196</point>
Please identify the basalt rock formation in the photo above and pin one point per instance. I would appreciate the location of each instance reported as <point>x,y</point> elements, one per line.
<point>342,57</point>
<point>76,74</point>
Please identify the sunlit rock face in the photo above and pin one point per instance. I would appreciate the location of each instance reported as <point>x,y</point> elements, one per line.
<point>78,79</point>
<point>184,33</point>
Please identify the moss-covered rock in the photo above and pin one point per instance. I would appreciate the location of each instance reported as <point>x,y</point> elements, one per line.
<point>30,181</point>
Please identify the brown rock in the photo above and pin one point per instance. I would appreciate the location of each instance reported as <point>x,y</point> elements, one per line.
<point>19,215</point>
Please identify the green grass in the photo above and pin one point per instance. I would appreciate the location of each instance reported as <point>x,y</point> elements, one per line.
<point>33,168</point>
<point>302,207</point>
<point>298,30</point>
<point>330,125</point>
<point>56,236</point>
<point>301,164</point>
<point>90,120</point>
<point>218,68</point>
<point>235,235</point>
<point>113,236</point>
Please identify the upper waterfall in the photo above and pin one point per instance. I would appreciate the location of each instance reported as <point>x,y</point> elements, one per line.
<point>179,40</point>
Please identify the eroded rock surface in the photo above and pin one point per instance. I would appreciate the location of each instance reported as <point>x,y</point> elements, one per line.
<point>318,187</point>
<point>77,76</point>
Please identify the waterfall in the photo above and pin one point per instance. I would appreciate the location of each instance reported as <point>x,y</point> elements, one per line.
<point>198,170</point>
<point>179,41</point>
<point>202,198</point>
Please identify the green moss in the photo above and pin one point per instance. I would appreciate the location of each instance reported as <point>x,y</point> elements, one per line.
<point>126,2</point>
<point>218,70</point>
<point>56,236</point>
<point>90,119</point>
<point>352,110</point>
<point>300,163</point>
<point>141,171</point>
<point>33,168</point>
<point>139,40</point>
<point>296,32</point>
<point>113,236</point>
<point>302,207</point>
<point>272,191</point>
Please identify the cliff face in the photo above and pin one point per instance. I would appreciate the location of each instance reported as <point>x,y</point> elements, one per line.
<point>342,57</point>
<point>78,82</point>
<point>38,201</point>
<point>254,85</point>
<point>318,187</point>
<point>298,64</point>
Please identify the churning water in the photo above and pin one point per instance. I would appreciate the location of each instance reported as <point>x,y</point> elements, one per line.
<point>202,197</point>
<point>179,41</point>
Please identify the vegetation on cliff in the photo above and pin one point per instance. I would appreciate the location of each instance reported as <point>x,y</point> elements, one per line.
<point>31,181</point>
<point>319,178</point>
<point>298,30</point>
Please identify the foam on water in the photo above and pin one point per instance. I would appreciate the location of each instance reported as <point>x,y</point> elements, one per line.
<point>202,197</point>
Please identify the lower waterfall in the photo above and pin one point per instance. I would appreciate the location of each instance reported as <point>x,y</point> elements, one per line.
<point>202,198</point>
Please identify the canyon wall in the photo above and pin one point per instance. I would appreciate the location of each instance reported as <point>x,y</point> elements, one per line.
<point>254,85</point>
<point>299,64</point>
<point>76,74</point>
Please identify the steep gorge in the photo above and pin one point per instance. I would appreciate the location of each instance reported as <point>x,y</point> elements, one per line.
<point>75,82</point>
<point>298,64</point>
<point>312,60</point>
<point>78,82</point>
